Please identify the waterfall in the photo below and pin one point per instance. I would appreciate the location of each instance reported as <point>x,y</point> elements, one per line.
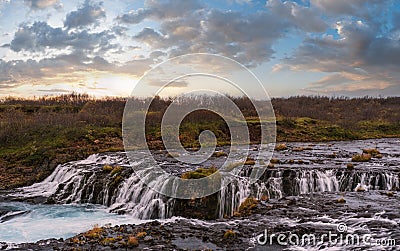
<point>134,197</point>
<point>86,182</point>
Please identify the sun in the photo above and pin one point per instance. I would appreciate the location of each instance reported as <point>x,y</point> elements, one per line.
<point>109,84</point>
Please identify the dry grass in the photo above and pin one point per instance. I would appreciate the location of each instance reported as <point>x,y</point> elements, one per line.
<point>133,242</point>
<point>229,234</point>
<point>281,147</point>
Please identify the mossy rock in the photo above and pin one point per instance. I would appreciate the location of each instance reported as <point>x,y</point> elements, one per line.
<point>281,147</point>
<point>248,206</point>
<point>361,157</point>
<point>199,173</point>
<point>250,161</point>
<point>341,200</point>
<point>372,151</point>
<point>116,170</point>
<point>229,234</point>
<point>219,154</point>
<point>108,168</point>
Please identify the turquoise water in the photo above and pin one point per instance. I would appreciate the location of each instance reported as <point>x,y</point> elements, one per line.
<point>37,222</point>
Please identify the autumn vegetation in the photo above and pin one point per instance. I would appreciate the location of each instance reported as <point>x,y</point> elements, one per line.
<point>39,133</point>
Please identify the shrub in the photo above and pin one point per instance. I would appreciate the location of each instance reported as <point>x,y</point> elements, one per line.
<point>94,233</point>
<point>108,240</point>
<point>133,242</point>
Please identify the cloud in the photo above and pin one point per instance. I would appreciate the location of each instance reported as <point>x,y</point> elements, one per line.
<point>161,9</point>
<point>191,27</point>
<point>65,68</point>
<point>150,37</point>
<point>246,38</point>
<point>161,83</point>
<point>359,58</point>
<point>89,13</point>
<point>346,7</point>
<point>39,36</point>
<point>303,17</point>
<point>42,4</point>
<point>55,90</point>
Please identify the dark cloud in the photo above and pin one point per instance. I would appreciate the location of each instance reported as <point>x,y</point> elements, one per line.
<point>39,36</point>
<point>89,13</point>
<point>150,37</point>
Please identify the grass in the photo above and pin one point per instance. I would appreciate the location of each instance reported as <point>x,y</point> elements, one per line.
<point>94,233</point>
<point>37,135</point>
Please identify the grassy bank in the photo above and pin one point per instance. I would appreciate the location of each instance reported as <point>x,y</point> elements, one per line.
<point>36,135</point>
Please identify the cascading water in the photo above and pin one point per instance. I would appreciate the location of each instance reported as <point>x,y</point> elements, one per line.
<point>85,182</point>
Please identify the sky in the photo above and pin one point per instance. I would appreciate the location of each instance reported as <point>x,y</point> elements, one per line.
<point>295,47</point>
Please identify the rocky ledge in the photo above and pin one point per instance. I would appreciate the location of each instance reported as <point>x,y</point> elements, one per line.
<point>374,212</point>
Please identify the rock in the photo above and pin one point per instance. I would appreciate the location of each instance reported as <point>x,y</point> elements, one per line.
<point>3,246</point>
<point>350,166</point>
<point>148,238</point>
